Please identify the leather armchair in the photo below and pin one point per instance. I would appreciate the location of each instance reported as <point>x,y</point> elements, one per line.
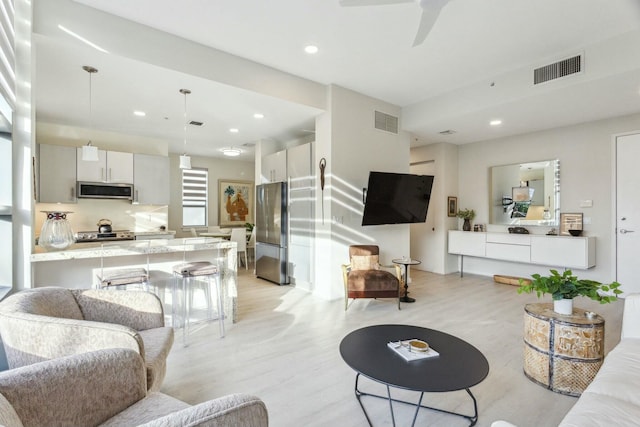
<point>46,323</point>
<point>364,277</point>
<point>108,388</point>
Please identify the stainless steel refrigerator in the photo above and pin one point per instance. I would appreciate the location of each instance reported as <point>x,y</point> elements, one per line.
<point>272,232</point>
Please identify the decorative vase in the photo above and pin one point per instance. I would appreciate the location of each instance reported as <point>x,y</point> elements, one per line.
<point>563,306</point>
<point>56,231</point>
<point>466,226</point>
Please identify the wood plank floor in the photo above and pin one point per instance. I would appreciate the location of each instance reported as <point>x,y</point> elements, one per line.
<point>284,349</point>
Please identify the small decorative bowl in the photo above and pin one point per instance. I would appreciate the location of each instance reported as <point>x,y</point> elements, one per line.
<point>575,233</point>
<point>418,345</point>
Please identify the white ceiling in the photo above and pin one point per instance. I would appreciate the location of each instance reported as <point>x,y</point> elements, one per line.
<point>475,65</point>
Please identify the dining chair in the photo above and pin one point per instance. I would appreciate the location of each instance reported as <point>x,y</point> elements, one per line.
<point>251,244</point>
<point>193,231</point>
<point>239,235</point>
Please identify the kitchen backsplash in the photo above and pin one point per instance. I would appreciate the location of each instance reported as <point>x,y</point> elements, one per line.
<point>123,215</point>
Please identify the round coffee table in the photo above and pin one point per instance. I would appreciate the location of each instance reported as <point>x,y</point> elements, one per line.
<point>459,366</point>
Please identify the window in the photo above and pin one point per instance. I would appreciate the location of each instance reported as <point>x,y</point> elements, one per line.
<point>194,197</point>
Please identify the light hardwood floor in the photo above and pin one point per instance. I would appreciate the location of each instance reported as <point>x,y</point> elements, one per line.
<point>284,349</point>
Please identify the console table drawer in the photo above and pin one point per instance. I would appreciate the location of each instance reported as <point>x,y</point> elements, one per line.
<point>509,239</point>
<point>519,253</point>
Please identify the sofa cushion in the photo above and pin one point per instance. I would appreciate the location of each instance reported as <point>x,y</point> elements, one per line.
<point>157,344</point>
<point>155,405</point>
<point>8,416</point>
<point>619,375</point>
<point>597,410</point>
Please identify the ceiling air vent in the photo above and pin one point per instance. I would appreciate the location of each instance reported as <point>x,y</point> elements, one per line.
<point>195,123</point>
<point>386,122</point>
<point>447,132</point>
<point>558,69</point>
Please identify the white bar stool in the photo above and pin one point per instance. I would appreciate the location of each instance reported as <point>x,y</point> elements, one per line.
<point>187,272</point>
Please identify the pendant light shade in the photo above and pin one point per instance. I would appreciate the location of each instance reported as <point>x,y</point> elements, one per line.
<point>90,152</point>
<point>185,160</point>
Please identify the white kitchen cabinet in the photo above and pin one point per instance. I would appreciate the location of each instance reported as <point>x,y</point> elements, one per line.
<point>56,174</point>
<point>274,167</point>
<point>112,166</point>
<point>150,179</point>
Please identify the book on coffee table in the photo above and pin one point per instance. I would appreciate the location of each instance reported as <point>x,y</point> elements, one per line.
<point>403,349</point>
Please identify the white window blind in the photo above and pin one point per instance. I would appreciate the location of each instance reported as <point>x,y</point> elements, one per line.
<point>7,56</point>
<point>194,197</point>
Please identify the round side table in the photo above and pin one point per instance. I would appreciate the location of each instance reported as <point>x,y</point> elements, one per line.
<point>406,263</point>
<point>562,352</point>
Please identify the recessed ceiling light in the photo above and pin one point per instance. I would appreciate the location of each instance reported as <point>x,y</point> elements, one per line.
<point>234,130</point>
<point>139,113</point>
<point>311,49</point>
<point>258,116</point>
<point>495,122</point>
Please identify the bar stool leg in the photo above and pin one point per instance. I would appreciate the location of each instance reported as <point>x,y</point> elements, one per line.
<point>220,305</point>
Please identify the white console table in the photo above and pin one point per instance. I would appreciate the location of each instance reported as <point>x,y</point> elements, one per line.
<point>560,251</point>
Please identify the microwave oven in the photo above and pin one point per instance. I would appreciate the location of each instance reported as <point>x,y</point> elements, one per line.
<point>104,190</point>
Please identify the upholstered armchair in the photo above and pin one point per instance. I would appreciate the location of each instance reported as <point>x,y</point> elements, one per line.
<point>365,277</point>
<point>46,323</point>
<point>108,388</point>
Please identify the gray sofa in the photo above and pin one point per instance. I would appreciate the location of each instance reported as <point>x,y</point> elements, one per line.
<point>108,388</point>
<point>46,323</point>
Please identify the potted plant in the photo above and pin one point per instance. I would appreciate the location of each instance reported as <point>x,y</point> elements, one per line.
<point>564,287</point>
<point>467,215</point>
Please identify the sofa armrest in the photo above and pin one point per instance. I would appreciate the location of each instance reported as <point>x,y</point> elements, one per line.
<point>85,389</point>
<point>631,317</point>
<point>32,338</point>
<point>238,410</point>
<point>138,310</point>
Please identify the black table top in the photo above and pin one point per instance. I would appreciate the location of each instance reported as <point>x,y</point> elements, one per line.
<point>459,365</point>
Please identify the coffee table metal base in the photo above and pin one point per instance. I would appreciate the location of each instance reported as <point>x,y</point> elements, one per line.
<point>472,418</point>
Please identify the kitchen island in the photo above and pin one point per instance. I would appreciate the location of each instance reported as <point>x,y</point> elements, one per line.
<point>78,266</point>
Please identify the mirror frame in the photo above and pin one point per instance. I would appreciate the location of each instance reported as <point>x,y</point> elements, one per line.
<point>503,202</point>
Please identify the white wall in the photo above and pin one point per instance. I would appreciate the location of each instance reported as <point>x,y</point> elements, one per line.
<point>228,169</point>
<point>429,244</point>
<point>585,154</point>
<point>346,137</point>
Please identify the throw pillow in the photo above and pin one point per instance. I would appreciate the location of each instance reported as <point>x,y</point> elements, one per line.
<point>365,262</point>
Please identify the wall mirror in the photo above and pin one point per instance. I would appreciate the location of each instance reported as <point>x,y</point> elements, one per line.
<point>525,194</point>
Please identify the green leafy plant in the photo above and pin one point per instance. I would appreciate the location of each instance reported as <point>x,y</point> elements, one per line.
<point>466,214</point>
<point>248,226</point>
<point>568,286</point>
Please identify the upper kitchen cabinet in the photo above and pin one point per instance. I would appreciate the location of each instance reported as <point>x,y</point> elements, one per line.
<point>150,179</point>
<point>112,166</point>
<point>274,167</point>
<point>57,174</point>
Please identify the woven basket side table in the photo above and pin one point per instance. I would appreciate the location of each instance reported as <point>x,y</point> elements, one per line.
<point>562,353</point>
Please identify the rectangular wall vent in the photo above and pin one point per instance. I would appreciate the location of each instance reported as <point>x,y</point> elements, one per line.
<point>558,69</point>
<point>195,123</point>
<point>386,122</point>
<point>447,132</point>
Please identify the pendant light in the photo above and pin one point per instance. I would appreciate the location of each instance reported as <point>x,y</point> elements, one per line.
<point>185,161</point>
<point>89,151</point>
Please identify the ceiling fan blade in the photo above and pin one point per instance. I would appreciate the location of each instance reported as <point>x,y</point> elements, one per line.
<point>430,12</point>
<point>347,3</point>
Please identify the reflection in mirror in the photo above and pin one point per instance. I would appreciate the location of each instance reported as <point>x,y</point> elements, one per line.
<point>525,194</point>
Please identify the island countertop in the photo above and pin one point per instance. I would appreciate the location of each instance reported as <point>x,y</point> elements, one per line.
<point>131,247</point>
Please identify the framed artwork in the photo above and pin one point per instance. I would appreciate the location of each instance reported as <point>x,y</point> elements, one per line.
<point>570,221</point>
<point>521,194</point>
<point>452,206</point>
<point>235,202</point>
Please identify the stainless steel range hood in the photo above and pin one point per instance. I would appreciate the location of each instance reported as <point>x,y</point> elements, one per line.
<point>104,190</point>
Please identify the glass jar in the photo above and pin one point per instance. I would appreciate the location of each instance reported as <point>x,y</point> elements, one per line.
<point>56,231</point>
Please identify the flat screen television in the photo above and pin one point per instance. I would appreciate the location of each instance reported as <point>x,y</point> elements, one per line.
<point>396,198</point>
